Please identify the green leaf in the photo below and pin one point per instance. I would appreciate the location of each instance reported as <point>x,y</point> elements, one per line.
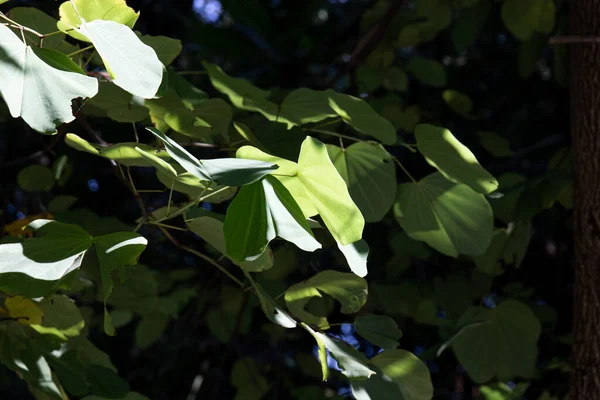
<point>356,255</point>
<point>36,178</point>
<point>207,117</point>
<point>495,144</point>
<point>194,188</point>
<point>450,217</point>
<point>133,65</point>
<point>348,289</point>
<point>236,89</point>
<point>157,163</point>
<point>166,48</point>
<point>39,93</point>
<point>317,187</point>
<point>359,114</point>
<point>530,52</point>
<point>41,22</point>
<point>210,229</point>
<point>489,261</point>
<point>454,160</point>
<point>62,318</point>
<point>395,79</point>
<point>524,18</point>
<point>34,267</point>
<point>270,308</point>
<point>469,23</point>
<point>105,382</point>
<point>117,104</point>
<point>303,106</point>
<point>116,251</point>
<point>248,381</point>
<point>259,213</point>
<point>429,72</point>
<point>352,362</point>
<point>502,347</point>
<point>61,203</point>
<point>226,171</point>
<point>459,102</point>
<point>370,174</point>
<point>109,10</point>
<point>380,330</point>
<point>398,375</point>
<point>150,329</point>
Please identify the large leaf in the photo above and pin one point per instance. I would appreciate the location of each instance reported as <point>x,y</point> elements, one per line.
<point>110,10</point>
<point>500,342</point>
<point>349,289</point>
<point>166,48</point>
<point>62,318</point>
<point>259,213</point>
<point>133,65</point>
<point>352,362</point>
<point>116,251</point>
<point>448,216</point>
<point>38,92</point>
<point>370,174</point>
<point>453,159</point>
<point>317,187</point>
<point>359,114</point>
<point>210,229</point>
<point>398,375</point>
<point>34,267</point>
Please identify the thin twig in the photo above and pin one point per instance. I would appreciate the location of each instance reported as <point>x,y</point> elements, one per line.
<point>331,133</point>
<point>405,170</point>
<point>573,39</point>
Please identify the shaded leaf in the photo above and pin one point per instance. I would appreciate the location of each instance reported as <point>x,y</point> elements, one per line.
<point>380,330</point>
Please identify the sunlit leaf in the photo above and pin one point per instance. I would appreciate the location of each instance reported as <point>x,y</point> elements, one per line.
<point>25,311</point>
<point>62,318</point>
<point>38,92</point>
<point>349,289</point>
<point>453,159</point>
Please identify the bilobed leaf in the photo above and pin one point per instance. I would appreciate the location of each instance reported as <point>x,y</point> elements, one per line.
<point>359,114</point>
<point>34,267</point>
<point>35,178</point>
<point>39,93</point>
<point>453,159</point>
<point>109,10</point>
<point>398,375</point>
<point>349,289</point>
<point>353,363</point>
<point>260,212</point>
<point>450,217</point>
<point>133,65</point>
<point>524,18</point>
<point>504,346</point>
<point>317,187</point>
<point>207,118</point>
<point>380,330</point>
<point>370,174</point>
<point>116,251</point>
<point>211,230</point>
<point>303,106</point>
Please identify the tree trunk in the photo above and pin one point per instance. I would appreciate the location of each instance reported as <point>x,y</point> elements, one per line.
<point>584,21</point>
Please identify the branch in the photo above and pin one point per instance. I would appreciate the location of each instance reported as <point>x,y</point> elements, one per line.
<point>573,39</point>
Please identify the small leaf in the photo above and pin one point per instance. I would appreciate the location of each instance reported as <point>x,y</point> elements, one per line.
<point>348,289</point>
<point>495,144</point>
<point>62,318</point>
<point>150,329</point>
<point>454,160</point>
<point>116,251</point>
<point>356,255</point>
<point>25,311</point>
<point>524,18</point>
<point>359,114</point>
<point>450,217</point>
<point>429,72</point>
<point>157,163</point>
<point>469,23</point>
<point>236,89</point>
<point>380,330</point>
<point>459,102</point>
<point>35,178</point>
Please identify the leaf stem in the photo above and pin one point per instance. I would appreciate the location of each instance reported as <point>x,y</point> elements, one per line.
<point>192,73</point>
<point>200,255</point>
<point>327,123</point>
<point>405,170</point>
<point>80,51</point>
<point>16,25</point>
<point>331,133</point>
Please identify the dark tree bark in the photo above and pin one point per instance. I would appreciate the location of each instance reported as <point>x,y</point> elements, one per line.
<point>584,21</point>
